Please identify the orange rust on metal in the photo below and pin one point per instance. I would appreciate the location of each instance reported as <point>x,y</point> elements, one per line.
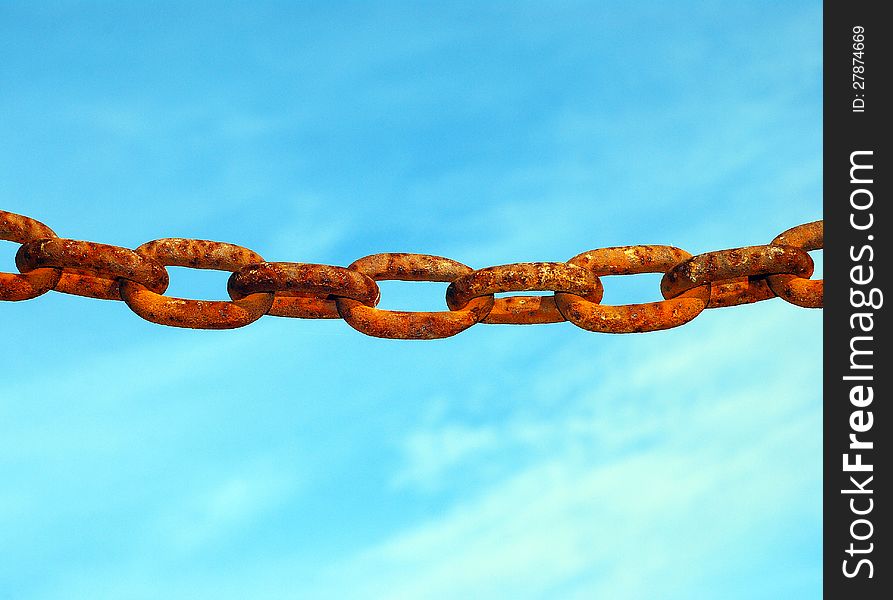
<point>24,286</point>
<point>303,290</point>
<point>106,265</point>
<point>303,306</point>
<point>408,325</point>
<point>524,310</point>
<point>402,266</point>
<point>630,260</point>
<point>689,284</point>
<point>741,290</point>
<point>808,293</point>
<point>22,229</point>
<point>196,314</point>
<point>631,318</point>
<point>634,318</point>
<point>543,276</point>
<point>724,272</point>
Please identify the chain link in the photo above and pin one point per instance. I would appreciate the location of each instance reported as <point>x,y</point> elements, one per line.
<point>91,269</point>
<point>807,293</point>
<point>24,286</point>
<point>524,277</point>
<point>632,318</point>
<point>737,275</point>
<point>689,284</point>
<point>400,324</point>
<point>196,314</point>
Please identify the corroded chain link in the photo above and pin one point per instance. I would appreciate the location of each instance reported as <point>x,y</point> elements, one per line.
<point>139,277</point>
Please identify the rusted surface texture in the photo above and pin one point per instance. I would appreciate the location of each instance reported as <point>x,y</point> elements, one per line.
<point>22,229</point>
<point>518,277</point>
<point>630,260</point>
<point>315,291</point>
<point>303,290</point>
<point>725,268</point>
<point>808,293</point>
<point>742,290</point>
<point>199,254</point>
<point>24,286</point>
<point>631,318</point>
<point>196,314</point>
<point>409,325</point>
<point>95,269</point>
<point>809,236</point>
<point>418,325</point>
<point>524,310</point>
<point>403,266</point>
<point>303,306</point>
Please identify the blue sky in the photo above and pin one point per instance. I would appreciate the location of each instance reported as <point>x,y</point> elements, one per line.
<point>301,459</point>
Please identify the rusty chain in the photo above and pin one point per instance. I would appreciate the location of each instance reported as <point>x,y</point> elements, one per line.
<point>139,277</point>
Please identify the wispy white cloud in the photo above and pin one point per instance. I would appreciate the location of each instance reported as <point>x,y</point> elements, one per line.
<point>654,455</point>
<point>606,498</point>
<point>575,402</point>
<point>433,452</point>
<point>239,497</point>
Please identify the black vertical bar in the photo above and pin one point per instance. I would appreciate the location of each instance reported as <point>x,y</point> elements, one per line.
<point>857,368</point>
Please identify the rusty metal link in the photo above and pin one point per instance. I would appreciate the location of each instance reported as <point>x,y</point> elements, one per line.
<point>24,286</point>
<point>631,318</point>
<point>399,324</point>
<point>139,277</point>
<point>196,314</point>
<point>90,269</point>
<point>737,275</point>
<point>808,293</point>
<point>318,285</point>
<point>521,277</point>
